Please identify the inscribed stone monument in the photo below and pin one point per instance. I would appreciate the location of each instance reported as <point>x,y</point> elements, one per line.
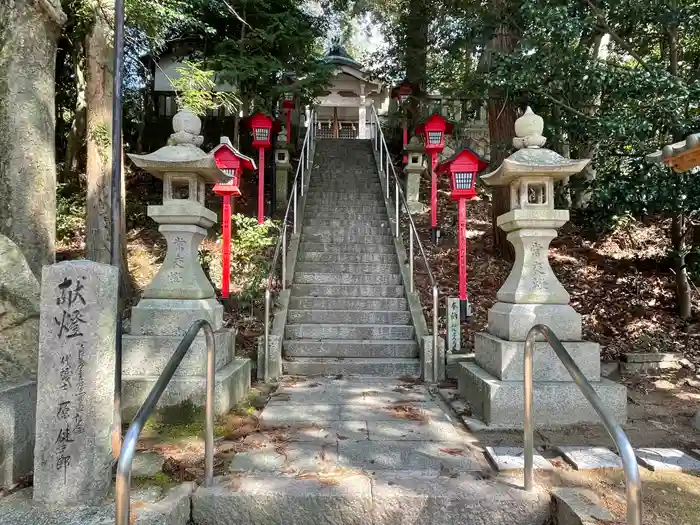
<point>454,335</point>
<point>75,395</point>
<point>532,295</point>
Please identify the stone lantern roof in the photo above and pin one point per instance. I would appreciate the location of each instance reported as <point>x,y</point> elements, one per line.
<point>182,154</point>
<point>532,159</point>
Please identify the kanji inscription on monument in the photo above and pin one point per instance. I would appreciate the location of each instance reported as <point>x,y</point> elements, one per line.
<point>75,383</point>
<point>454,336</point>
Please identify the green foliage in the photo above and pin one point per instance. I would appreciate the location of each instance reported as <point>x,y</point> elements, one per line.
<point>196,90</point>
<point>70,214</point>
<point>251,244</point>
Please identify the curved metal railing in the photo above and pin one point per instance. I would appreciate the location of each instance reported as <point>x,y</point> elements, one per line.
<point>303,168</point>
<point>624,448</point>
<point>385,168</point>
<point>123,482</point>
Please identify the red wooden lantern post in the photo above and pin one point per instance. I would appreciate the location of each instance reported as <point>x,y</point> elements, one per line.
<point>261,126</point>
<point>434,130</point>
<point>232,163</point>
<point>288,106</point>
<point>463,168</point>
<point>403,93</point>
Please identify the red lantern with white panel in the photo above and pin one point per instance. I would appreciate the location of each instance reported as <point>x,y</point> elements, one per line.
<point>463,168</point>
<point>434,130</point>
<point>261,127</point>
<point>232,162</point>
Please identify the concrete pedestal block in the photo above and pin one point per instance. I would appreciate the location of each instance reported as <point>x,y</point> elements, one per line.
<point>504,359</point>
<point>500,403</point>
<point>174,316</point>
<point>144,355</point>
<point>184,396</point>
<point>274,358</point>
<point>17,430</point>
<point>513,321</point>
<point>427,359</point>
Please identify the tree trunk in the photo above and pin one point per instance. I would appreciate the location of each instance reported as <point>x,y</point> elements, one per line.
<point>501,115</point>
<point>29,32</point>
<point>678,238</point>
<point>99,94</point>
<point>99,50</point>
<point>416,42</point>
<point>76,136</point>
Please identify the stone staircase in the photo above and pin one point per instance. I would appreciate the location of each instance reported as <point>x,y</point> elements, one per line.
<point>348,311</point>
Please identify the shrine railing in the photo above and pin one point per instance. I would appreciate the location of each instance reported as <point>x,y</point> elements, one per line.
<point>624,447</point>
<point>388,172</point>
<point>299,185</point>
<point>122,508</point>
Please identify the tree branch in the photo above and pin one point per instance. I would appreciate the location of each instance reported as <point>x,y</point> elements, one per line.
<point>564,105</point>
<point>600,15</point>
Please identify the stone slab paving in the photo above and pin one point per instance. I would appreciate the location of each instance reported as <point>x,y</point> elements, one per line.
<point>513,458</point>
<point>669,459</point>
<point>590,458</point>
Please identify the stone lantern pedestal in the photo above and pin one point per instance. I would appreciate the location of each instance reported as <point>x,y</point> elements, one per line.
<point>531,295</point>
<point>414,169</point>
<point>180,293</point>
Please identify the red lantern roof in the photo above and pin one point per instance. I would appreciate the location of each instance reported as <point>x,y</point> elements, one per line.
<point>435,128</point>
<point>405,88</point>
<point>231,162</point>
<point>435,122</point>
<point>463,168</point>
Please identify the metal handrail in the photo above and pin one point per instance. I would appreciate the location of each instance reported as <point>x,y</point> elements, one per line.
<point>624,448</point>
<point>307,147</point>
<point>123,483</point>
<point>379,143</point>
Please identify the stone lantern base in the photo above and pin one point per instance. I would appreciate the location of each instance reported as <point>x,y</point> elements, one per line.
<point>493,384</point>
<point>157,328</point>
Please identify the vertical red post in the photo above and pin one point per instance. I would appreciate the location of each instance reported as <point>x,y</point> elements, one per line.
<point>226,247</point>
<point>288,115</point>
<point>405,139</point>
<point>433,197</point>
<point>261,185</point>
<point>462,230</point>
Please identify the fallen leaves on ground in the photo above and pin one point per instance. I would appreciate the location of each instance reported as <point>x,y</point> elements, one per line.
<point>408,412</point>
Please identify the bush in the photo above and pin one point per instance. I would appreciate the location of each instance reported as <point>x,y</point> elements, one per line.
<point>70,214</point>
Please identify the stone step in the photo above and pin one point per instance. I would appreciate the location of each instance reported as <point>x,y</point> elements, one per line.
<point>322,222</point>
<point>357,498</point>
<point>344,290</point>
<point>348,303</point>
<point>347,238</point>
<point>338,267</point>
<point>356,195</point>
<point>386,258</point>
<point>364,217</point>
<point>387,317</point>
<point>380,366</point>
<point>358,229</point>
<point>347,247</point>
<point>347,348</point>
<point>345,278</point>
<point>349,331</point>
<point>342,209</point>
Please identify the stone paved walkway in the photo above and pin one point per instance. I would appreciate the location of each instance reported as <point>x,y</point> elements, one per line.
<point>368,424</point>
<point>362,450</point>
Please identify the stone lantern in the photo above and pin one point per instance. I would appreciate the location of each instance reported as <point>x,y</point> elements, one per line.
<point>283,168</point>
<point>415,166</point>
<point>180,293</point>
<point>532,294</point>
